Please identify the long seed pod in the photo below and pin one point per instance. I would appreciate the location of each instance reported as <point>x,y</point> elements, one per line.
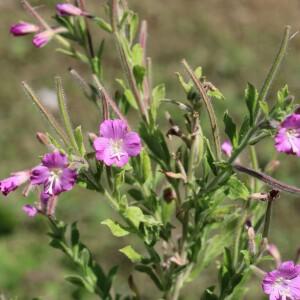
<point>272,182</point>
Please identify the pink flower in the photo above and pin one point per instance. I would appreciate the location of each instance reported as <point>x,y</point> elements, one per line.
<point>227,148</point>
<point>116,145</point>
<point>30,210</point>
<point>54,174</point>
<point>287,139</point>
<point>23,28</point>
<point>283,283</point>
<point>66,9</point>
<point>43,38</point>
<point>11,183</point>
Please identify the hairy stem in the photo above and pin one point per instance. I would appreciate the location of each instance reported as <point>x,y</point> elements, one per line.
<point>64,113</point>
<point>209,107</point>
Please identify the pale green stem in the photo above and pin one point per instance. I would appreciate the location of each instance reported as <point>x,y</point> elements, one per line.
<point>64,112</point>
<point>125,61</point>
<point>209,107</point>
<point>255,166</point>
<point>45,113</point>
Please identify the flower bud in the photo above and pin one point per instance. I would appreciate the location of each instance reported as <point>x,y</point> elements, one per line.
<point>43,38</point>
<point>42,138</point>
<point>66,9</point>
<point>273,250</point>
<point>23,28</point>
<point>169,194</point>
<point>30,210</point>
<point>227,148</point>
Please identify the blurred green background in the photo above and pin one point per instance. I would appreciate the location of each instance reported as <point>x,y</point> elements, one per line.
<point>233,40</point>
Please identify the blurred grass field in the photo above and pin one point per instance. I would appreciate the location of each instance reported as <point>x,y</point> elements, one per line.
<point>234,41</point>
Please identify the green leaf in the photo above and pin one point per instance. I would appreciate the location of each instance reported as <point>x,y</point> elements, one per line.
<point>134,23</point>
<point>251,96</point>
<point>135,215</point>
<point>137,55</point>
<point>167,211</point>
<point>186,86</point>
<point>230,129</point>
<point>155,141</point>
<point>102,24</point>
<point>146,166</point>
<point>235,189</point>
<point>282,95</point>
<point>139,74</point>
<point>79,140</point>
<point>210,158</point>
<point>265,108</point>
<point>76,280</point>
<point>115,228</point>
<point>216,93</point>
<point>134,256</point>
<point>128,94</point>
<point>198,72</point>
<point>158,94</point>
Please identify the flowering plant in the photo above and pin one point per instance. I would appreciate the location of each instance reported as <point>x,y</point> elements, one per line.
<point>177,191</point>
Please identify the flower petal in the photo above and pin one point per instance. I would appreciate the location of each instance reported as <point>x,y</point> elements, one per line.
<point>55,159</point>
<point>100,144</point>
<point>39,175</point>
<point>132,144</point>
<point>30,210</point>
<point>113,129</point>
<point>68,179</point>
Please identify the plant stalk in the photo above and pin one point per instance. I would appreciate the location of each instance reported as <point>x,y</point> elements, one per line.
<point>209,107</point>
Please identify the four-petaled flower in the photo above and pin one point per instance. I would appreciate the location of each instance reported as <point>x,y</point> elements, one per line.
<point>67,9</point>
<point>116,144</point>
<point>54,174</point>
<point>283,283</point>
<point>23,28</point>
<point>287,139</point>
<point>11,183</point>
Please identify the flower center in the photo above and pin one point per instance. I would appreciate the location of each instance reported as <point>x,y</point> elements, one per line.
<point>282,284</point>
<point>52,181</point>
<point>116,148</point>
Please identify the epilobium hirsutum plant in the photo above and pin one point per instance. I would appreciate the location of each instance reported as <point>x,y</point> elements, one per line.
<point>188,207</point>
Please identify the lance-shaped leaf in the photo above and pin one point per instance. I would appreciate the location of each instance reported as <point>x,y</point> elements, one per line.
<point>115,228</point>
<point>158,94</point>
<point>134,256</point>
<point>251,96</point>
<point>230,129</point>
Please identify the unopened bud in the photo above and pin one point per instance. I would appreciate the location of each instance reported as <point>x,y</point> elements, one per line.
<point>174,130</point>
<point>274,252</point>
<point>251,237</point>
<point>169,195</point>
<point>273,194</point>
<point>43,138</point>
<point>272,166</point>
<point>259,196</point>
